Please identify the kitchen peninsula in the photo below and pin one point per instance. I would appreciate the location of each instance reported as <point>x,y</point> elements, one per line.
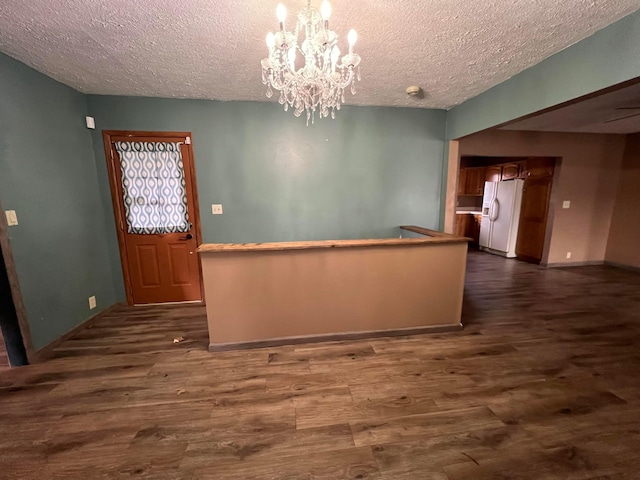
<point>265,294</point>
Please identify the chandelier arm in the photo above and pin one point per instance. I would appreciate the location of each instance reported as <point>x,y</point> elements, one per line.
<point>288,82</point>
<point>274,78</point>
<point>292,72</point>
<point>346,83</point>
<point>286,63</point>
<point>284,89</point>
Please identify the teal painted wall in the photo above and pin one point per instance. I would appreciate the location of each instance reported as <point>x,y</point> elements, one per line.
<point>48,175</point>
<point>608,57</point>
<point>358,176</point>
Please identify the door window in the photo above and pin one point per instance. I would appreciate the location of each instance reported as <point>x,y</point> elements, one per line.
<point>154,188</point>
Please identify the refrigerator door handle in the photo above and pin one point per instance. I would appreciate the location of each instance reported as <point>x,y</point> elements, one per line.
<point>494,210</point>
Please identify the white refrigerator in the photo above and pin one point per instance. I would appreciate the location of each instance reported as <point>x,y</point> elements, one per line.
<point>500,217</point>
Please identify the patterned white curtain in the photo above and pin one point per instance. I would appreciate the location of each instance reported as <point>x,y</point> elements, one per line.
<point>154,188</point>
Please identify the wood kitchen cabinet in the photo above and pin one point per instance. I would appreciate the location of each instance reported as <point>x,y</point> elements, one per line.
<point>474,181</point>
<point>538,167</point>
<point>468,225</point>
<point>462,182</point>
<point>536,196</point>
<point>513,170</point>
<point>493,173</point>
<point>461,224</point>
<point>471,179</point>
<point>475,229</point>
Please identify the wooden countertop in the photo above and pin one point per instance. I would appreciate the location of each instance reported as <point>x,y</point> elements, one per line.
<point>432,237</point>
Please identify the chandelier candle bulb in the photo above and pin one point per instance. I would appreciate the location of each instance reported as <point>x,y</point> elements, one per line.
<point>335,55</point>
<point>281,13</point>
<point>271,41</point>
<point>352,37</point>
<point>292,58</point>
<point>318,85</point>
<point>325,11</point>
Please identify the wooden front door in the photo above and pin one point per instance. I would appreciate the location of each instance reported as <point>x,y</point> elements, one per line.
<point>535,207</point>
<point>155,203</point>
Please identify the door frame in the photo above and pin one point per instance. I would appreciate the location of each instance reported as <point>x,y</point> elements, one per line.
<point>6,256</point>
<point>448,210</point>
<point>118,205</point>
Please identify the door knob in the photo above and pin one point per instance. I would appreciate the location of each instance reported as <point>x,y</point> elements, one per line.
<point>188,236</point>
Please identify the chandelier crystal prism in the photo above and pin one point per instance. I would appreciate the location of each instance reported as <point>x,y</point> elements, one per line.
<point>319,84</point>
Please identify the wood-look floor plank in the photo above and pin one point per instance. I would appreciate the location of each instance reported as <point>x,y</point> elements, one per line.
<point>398,429</point>
<point>331,407</point>
<point>236,448</point>
<point>347,464</point>
<point>431,454</point>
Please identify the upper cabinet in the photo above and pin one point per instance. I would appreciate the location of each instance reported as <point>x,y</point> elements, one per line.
<point>462,182</point>
<point>493,173</point>
<point>471,181</point>
<point>475,181</point>
<point>512,170</point>
<point>539,167</point>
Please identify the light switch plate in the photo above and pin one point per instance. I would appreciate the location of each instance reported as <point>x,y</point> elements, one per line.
<point>91,122</point>
<point>12,218</point>
<point>566,204</point>
<point>92,302</point>
<point>216,209</point>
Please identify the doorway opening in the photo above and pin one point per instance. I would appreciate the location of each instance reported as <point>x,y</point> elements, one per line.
<point>512,223</point>
<point>13,352</point>
<point>155,202</point>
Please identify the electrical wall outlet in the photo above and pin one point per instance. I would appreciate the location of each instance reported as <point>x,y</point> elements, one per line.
<point>12,219</point>
<point>92,302</point>
<point>216,209</point>
<point>568,254</point>
<point>566,204</point>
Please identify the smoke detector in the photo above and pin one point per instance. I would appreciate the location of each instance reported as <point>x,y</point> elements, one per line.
<point>414,91</point>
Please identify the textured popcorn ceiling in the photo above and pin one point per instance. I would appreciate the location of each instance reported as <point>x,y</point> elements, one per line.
<point>212,48</point>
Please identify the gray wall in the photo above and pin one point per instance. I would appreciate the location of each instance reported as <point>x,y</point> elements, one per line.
<point>358,176</point>
<point>48,175</point>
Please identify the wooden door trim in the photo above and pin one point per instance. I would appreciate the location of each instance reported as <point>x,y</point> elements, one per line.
<point>118,205</point>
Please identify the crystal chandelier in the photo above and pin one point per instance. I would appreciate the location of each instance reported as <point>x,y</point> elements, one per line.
<point>319,85</point>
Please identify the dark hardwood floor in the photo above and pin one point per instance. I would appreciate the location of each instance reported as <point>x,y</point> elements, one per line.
<point>543,383</point>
